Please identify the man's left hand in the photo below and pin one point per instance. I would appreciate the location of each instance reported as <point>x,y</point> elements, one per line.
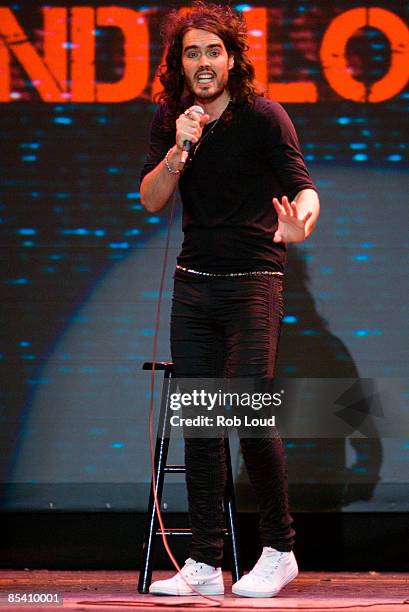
<point>291,226</point>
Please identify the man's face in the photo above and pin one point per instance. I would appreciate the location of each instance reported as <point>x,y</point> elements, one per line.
<point>206,64</point>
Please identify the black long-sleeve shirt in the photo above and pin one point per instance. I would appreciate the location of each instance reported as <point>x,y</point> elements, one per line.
<point>228,184</point>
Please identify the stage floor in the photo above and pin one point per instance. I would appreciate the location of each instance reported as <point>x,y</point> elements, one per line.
<point>116,590</point>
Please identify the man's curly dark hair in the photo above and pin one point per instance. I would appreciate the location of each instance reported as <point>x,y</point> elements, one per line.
<point>226,23</point>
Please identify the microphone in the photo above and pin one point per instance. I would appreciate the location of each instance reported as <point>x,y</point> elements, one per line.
<point>187,143</point>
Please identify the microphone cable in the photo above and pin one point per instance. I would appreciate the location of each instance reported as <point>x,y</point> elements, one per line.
<point>215,602</point>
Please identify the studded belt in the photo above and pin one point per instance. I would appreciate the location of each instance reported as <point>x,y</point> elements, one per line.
<point>225,274</point>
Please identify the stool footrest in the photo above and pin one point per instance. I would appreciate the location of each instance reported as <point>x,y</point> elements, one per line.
<point>182,531</point>
<point>175,469</point>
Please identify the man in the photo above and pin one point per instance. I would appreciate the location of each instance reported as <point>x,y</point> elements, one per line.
<point>246,193</point>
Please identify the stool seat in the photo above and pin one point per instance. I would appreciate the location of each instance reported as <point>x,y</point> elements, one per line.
<point>162,468</point>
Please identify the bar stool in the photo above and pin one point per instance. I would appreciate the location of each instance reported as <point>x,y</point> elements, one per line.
<point>162,468</point>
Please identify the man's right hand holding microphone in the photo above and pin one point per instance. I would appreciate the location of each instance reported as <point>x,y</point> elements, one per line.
<point>189,127</point>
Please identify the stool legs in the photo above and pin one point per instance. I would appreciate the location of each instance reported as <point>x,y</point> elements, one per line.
<point>160,457</point>
<point>231,517</point>
<point>161,467</point>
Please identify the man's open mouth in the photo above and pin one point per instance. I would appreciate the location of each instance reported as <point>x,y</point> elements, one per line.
<point>205,77</point>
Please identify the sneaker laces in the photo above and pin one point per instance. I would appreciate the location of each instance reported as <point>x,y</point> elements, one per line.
<point>191,568</point>
<point>267,563</point>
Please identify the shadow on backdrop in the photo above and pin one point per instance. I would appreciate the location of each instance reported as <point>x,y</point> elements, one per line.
<point>320,478</point>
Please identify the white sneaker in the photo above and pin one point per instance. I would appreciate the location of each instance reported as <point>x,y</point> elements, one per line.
<point>205,578</point>
<point>271,573</point>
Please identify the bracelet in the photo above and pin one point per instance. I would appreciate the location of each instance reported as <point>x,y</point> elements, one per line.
<point>167,164</point>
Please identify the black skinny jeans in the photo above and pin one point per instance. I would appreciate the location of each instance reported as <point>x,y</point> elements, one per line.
<point>230,327</point>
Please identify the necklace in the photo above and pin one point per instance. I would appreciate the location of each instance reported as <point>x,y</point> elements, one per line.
<point>208,134</point>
